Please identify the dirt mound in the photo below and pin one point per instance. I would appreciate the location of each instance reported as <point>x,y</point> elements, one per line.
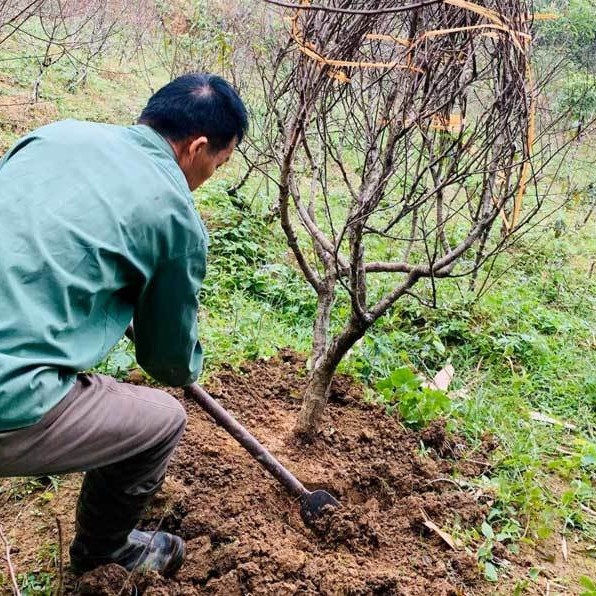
<point>245,535</point>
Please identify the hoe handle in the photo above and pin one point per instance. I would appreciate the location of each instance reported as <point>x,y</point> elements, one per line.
<point>238,432</point>
<point>234,428</point>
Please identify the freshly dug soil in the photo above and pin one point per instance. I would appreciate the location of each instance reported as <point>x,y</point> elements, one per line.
<point>244,533</point>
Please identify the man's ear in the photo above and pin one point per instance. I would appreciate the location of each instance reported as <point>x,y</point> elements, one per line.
<point>197,145</point>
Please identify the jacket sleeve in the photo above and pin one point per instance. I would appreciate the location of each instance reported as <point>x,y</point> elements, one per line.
<point>165,321</point>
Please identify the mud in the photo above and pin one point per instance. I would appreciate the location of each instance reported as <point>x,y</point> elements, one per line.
<point>245,535</point>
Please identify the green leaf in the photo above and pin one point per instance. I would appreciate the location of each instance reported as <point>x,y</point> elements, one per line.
<point>384,384</point>
<point>438,346</point>
<point>487,530</point>
<point>403,376</point>
<point>587,583</point>
<point>534,572</point>
<point>490,572</point>
<point>543,532</point>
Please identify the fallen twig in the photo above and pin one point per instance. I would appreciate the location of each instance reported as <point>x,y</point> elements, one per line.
<point>540,417</point>
<point>60,558</point>
<point>586,509</point>
<point>13,578</point>
<point>564,549</point>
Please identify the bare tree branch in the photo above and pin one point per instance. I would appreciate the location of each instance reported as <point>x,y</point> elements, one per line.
<point>353,11</point>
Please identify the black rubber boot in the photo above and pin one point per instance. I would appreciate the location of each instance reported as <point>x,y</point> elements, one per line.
<point>145,551</point>
<point>105,530</point>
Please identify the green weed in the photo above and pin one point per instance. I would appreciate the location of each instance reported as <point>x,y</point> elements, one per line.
<point>18,489</point>
<point>34,583</point>
<point>403,392</point>
<point>589,586</point>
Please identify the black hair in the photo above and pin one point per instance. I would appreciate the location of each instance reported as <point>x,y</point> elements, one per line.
<point>197,104</point>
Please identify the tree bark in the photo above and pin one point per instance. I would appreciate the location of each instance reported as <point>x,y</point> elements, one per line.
<point>319,381</point>
<point>314,401</point>
<point>326,298</point>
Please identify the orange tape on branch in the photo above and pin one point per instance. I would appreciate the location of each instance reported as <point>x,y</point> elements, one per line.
<point>525,173</point>
<point>453,123</point>
<point>351,63</point>
<point>308,49</point>
<point>498,23</point>
<point>397,40</point>
<point>514,34</point>
<point>491,15</point>
<point>544,16</point>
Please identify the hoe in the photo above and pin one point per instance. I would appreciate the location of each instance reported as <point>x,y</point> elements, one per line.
<point>311,503</point>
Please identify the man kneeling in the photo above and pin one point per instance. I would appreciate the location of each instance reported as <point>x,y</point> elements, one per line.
<point>98,228</point>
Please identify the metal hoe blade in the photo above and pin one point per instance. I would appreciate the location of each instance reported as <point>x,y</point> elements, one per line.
<point>313,504</point>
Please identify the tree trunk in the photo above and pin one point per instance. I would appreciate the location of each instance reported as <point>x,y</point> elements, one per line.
<point>314,400</point>
<point>319,381</point>
<point>325,300</point>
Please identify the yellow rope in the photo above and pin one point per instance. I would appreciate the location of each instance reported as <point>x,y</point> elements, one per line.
<point>307,49</point>
<point>479,10</point>
<point>397,40</point>
<point>451,123</point>
<point>545,16</point>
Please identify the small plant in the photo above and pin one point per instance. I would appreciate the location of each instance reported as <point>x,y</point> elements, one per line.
<point>403,391</point>
<point>578,97</point>
<point>589,585</point>
<point>508,534</point>
<point>36,583</point>
<point>119,361</point>
<point>17,489</point>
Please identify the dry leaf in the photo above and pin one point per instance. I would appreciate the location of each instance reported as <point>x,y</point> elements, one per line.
<point>564,548</point>
<point>442,379</point>
<point>539,417</point>
<point>447,538</point>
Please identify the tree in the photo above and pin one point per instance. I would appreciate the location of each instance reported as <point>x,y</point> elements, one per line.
<point>403,138</point>
<point>14,14</point>
<point>572,33</point>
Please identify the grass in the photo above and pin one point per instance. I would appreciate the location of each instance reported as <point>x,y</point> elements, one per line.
<point>526,345</point>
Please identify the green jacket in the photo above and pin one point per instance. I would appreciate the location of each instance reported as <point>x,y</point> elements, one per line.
<point>97,227</point>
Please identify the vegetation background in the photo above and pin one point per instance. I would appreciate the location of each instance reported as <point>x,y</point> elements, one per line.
<point>523,349</point>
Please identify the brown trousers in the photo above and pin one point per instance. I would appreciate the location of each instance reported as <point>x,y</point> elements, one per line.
<point>121,435</point>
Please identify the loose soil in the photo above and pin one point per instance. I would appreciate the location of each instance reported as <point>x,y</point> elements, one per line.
<point>244,533</point>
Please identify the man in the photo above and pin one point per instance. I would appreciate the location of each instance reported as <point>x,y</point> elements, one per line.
<point>98,227</point>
